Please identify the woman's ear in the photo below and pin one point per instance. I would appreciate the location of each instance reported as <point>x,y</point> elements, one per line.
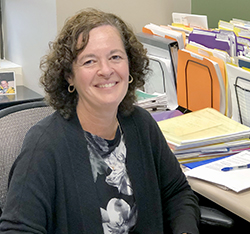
<point>69,79</point>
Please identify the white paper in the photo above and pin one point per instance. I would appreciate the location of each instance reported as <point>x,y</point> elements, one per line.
<point>236,180</point>
<point>190,20</point>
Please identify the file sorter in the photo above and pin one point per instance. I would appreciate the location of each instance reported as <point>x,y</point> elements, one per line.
<point>199,82</point>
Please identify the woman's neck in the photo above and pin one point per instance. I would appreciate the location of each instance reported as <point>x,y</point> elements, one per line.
<point>102,124</point>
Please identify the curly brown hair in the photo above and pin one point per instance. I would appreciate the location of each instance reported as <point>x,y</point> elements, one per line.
<point>56,66</point>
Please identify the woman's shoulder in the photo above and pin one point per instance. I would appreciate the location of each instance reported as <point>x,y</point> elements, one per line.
<point>49,126</point>
<point>141,113</point>
<point>142,116</point>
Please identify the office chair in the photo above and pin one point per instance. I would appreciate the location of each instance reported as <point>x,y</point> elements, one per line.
<point>15,121</point>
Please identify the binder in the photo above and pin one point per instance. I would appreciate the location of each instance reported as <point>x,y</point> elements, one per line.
<point>163,54</point>
<point>239,81</point>
<point>199,82</point>
<point>157,30</point>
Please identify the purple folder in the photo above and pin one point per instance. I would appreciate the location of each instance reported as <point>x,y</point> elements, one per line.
<point>210,39</point>
<point>162,115</point>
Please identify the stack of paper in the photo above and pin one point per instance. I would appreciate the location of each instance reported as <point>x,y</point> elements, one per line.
<point>187,22</point>
<point>235,179</point>
<point>190,20</point>
<point>152,101</point>
<point>204,134</point>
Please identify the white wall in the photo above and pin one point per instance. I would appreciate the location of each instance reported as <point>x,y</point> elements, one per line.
<point>135,12</point>
<point>182,6</point>
<point>31,24</point>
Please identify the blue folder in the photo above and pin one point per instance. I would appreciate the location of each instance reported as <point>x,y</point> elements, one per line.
<point>203,162</point>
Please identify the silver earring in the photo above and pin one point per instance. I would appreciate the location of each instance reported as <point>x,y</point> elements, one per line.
<point>131,79</point>
<point>71,88</point>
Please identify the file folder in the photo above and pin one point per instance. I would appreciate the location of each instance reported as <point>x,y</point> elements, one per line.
<point>199,82</point>
<point>213,40</point>
<point>208,53</point>
<point>180,27</point>
<point>244,61</point>
<point>157,30</point>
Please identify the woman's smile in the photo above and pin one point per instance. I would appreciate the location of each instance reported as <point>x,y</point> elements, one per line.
<point>107,85</point>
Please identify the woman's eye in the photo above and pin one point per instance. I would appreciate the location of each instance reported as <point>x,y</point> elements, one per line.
<point>116,57</point>
<point>89,62</point>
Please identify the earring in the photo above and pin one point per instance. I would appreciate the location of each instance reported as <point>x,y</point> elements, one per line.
<point>70,89</point>
<point>131,79</point>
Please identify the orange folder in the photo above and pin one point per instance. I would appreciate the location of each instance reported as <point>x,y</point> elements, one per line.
<point>199,82</point>
<point>222,66</point>
<point>163,31</point>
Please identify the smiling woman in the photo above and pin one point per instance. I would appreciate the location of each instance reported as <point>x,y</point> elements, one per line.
<point>70,43</point>
<point>100,76</point>
<point>99,164</point>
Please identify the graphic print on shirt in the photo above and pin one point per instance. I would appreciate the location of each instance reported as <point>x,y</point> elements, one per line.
<point>118,207</point>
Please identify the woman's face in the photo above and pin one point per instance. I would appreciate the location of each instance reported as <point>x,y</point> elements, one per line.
<point>101,70</point>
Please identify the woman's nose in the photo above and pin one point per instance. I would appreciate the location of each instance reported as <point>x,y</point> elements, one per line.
<point>105,69</point>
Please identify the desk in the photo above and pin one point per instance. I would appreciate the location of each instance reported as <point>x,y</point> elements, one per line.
<point>23,95</point>
<point>237,203</point>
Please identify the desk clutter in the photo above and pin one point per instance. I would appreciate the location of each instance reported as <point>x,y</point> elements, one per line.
<point>211,67</point>
<point>228,173</point>
<point>204,134</point>
<point>205,71</point>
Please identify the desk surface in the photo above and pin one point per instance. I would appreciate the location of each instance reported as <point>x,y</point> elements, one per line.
<point>237,203</point>
<point>22,95</point>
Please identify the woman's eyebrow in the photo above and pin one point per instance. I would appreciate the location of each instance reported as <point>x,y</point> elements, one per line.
<point>90,56</point>
<point>117,51</point>
<point>86,56</point>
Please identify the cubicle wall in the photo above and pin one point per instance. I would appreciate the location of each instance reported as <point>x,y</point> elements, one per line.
<point>221,10</point>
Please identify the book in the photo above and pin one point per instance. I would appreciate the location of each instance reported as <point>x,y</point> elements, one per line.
<point>200,128</point>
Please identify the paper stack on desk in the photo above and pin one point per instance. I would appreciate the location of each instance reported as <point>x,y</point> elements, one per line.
<point>151,101</point>
<point>204,134</point>
<point>236,180</point>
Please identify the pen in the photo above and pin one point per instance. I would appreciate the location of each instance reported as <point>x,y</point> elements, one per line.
<point>236,167</point>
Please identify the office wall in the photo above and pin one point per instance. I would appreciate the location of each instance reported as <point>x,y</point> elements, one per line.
<point>182,6</point>
<point>221,9</point>
<point>135,12</point>
<point>28,27</point>
<point>31,24</point>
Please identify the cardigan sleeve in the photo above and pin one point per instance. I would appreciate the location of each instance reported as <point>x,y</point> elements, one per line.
<point>179,204</point>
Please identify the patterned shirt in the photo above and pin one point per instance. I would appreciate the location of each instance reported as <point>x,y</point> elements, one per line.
<point>108,163</point>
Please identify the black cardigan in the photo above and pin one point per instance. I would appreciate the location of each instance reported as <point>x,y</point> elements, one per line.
<point>51,186</point>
